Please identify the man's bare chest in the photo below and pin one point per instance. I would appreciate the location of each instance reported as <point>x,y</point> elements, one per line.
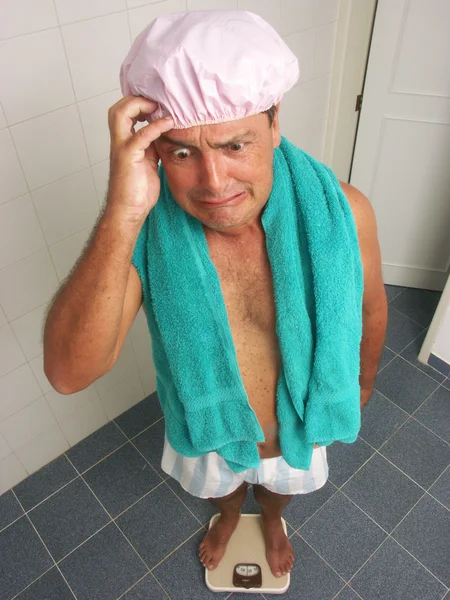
<point>247,287</point>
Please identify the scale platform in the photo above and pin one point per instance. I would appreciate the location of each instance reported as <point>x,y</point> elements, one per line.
<point>244,562</point>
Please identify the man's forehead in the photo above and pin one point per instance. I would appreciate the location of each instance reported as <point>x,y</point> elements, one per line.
<point>214,135</point>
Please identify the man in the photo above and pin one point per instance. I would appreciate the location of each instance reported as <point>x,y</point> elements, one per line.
<point>220,173</point>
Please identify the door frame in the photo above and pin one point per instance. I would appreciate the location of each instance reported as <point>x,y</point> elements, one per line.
<point>354,34</point>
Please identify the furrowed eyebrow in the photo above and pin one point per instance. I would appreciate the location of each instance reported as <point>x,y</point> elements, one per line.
<point>241,137</point>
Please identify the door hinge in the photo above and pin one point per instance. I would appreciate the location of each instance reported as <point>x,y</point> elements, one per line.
<point>359,100</point>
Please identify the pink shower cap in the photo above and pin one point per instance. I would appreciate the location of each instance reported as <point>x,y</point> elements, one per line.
<point>209,66</point>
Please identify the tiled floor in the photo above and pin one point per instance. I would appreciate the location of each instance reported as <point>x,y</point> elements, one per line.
<point>101,523</point>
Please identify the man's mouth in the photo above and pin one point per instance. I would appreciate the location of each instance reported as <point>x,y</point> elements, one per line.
<point>227,201</point>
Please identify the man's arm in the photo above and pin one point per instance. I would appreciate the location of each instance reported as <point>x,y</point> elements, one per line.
<point>374,300</point>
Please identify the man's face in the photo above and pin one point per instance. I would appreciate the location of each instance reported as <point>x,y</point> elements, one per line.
<point>207,165</point>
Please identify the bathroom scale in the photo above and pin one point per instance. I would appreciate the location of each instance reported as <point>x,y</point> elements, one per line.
<point>244,567</point>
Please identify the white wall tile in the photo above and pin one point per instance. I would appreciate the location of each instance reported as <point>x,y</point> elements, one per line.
<point>70,11</point>
<point>18,389</point>
<point>28,331</point>
<point>27,284</point>
<point>269,10</point>
<point>122,397</point>
<point>12,181</point>
<point>41,450</point>
<point>12,472</point>
<point>325,45</point>
<point>328,11</point>
<point>314,139</point>
<point>67,206</point>
<point>297,15</point>
<point>34,74</point>
<point>5,450</point>
<point>141,17</point>
<point>140,338</point>
<point>19,17</point>
<point>302,45</point>
<point>27,423</point>
<point>51,146</point>
<point>94,118</point>
<point>83,422</point>
<point>63,405</point>
<point>3,122</point>
<point>212,4</point>
<point>125,366</point>
<point>20,231</point>
<point>95,64</point>
<point>101,177</point>
<point>37,366</point>
<point>66,253</point>
<point>3,320</point>
<point>11,355</point>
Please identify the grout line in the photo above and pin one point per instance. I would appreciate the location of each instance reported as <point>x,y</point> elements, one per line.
<point>149,574</point>
<point>321,557</point>
<point>55,564</point>
<point>174,550</point>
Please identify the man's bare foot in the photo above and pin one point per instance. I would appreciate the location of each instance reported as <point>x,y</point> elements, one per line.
<point>279,551</point>
<point>215,542</point>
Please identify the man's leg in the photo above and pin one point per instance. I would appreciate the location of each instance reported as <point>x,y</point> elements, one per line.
<point>278,548</point>
<point>215,542</point>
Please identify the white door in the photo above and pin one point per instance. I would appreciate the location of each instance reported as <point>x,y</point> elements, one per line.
<point>402,153</point>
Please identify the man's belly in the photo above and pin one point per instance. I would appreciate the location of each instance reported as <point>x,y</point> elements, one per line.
<point>259,363</point>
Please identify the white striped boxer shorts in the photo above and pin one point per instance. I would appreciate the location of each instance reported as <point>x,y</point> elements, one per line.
<point>209,476</point>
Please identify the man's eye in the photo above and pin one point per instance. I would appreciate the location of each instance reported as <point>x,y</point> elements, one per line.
<point>236,147</point>
<point>182,153</point>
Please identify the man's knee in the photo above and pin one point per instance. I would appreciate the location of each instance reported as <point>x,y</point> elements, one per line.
<point>266,496</point>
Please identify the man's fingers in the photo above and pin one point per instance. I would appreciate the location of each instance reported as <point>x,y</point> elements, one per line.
<point>123,115</point>
<point>142,139</point>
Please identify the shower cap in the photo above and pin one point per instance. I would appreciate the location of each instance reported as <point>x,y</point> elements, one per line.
<point>209,66</point>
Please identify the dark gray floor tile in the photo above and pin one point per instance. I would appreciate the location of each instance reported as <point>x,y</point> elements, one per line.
<point>147,589</point>
<point>416,304</point>
<point>411,352</point>
<point>435,293</point>
<point>157,525</point>
<point>446,383</point>
<point>347,594</point>
<point>96,446</point>
<point>393,573</point>
<point>202,508</point>
<point>50,586</point>
<point>311,577</point>
<point>303,506</point>
<point>425,533</point>
<point>405,385</point>
<point>392,291</point>
<point>104,567</point>
<point>383,492</point>
<point>10,509</point>
<point>23,558</point>
<point>68,518</point>
<point>435,413</point>
<point>121,479</point>
<point>183,576</point>
<point>139,417</point>
<point>345,459</point>
<point>343,535</point>
<point>44,482</point>
<point>418,453</point>
<point>386,356</point>
<point>380,418</point>
<point>151,444</point>
<point>243,596</point>
<point>400,331</point>
<point>441,489</point>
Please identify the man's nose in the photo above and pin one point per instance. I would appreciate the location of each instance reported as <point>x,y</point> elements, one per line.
<point>213,175</point>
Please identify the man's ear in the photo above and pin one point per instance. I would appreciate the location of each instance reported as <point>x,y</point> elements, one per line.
<point>276,135</point>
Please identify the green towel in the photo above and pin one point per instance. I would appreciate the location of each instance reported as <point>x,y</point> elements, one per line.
<point>318,284</point>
